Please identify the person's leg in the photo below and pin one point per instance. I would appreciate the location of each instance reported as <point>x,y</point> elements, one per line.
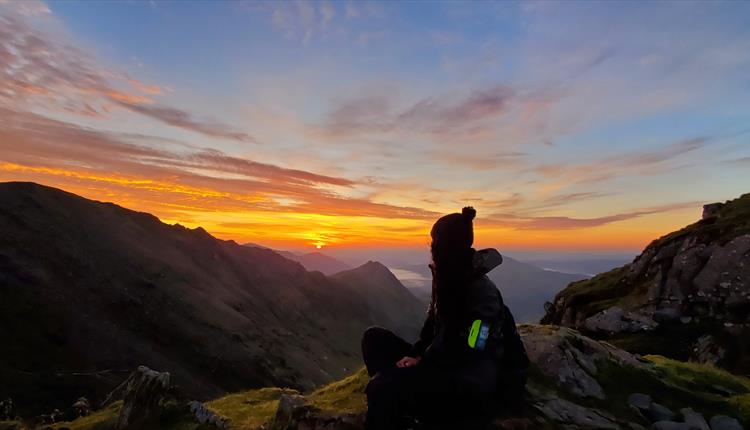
<point>382,401</point>
<point>381,349</point>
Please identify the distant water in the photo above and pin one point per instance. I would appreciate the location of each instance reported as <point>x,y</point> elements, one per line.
<point>410,279</point>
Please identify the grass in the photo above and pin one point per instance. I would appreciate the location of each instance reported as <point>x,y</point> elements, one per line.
<point>104,419</point>
<point>677,385</point>
<point>596,294</point>
<point>10,425</point>
<point>733,220</point>
<point>344,396</point>
<point>249,410</point>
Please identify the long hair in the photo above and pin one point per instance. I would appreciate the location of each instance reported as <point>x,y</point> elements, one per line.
<point>450,268</point>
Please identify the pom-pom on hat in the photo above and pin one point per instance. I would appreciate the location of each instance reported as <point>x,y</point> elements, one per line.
<point>455,230</point>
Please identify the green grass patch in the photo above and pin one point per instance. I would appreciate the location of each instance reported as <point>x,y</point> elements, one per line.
<point>104,419</point>
<point>733,220</point>
<point>249,410</point>
<point>344,396</point>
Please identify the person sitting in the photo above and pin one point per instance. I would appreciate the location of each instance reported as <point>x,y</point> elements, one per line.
<point>452,376</point>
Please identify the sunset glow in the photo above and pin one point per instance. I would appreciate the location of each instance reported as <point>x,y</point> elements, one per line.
<point>352,124</point>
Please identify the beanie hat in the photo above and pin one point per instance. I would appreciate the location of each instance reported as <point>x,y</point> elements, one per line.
<point>455,230</point>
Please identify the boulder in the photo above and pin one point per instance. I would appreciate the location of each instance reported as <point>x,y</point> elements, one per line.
<point>573,415</point>
<point>707,351</point>
<point>616,320</point>
<point>657,412</point>
<point>640,402</point>
<point>694,419</point>
<point>145,394</point>
<point>570,359</point>
<point>670,425</point>
<point>206,416</point>
<point>667,315</point>
<point>723,422</point>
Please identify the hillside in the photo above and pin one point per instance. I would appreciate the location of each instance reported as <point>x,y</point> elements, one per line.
<point>525,287</point>
<point>89,290</point>
<point>686,296</point>
<point>575,383</point>
<point>387,298</point>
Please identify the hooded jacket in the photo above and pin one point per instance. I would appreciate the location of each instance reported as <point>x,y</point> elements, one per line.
<point>447,345</point>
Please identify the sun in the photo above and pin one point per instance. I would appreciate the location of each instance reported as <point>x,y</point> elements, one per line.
<point>319,246</point>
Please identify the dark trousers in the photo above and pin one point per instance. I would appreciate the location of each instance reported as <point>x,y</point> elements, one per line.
<point>396,397</point>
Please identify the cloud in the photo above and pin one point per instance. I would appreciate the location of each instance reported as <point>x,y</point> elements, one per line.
<point>301,20</point>
<point>39,70</point>
<point>182,119</point>
<point>521,222</point>
<point>34,144</point>
<point>644,162</point>
<point>431,117</point>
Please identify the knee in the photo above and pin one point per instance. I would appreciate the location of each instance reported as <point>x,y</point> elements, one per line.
<point>372,334</point>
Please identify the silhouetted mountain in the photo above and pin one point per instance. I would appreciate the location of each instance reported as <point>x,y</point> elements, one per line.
<point>387,298</point>
<point>88,289</point>
<point>525,287</point>
<point>686,296</point>
<point>317,261</point>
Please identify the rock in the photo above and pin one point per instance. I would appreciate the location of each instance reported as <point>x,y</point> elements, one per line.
<point>694,419</point>
<point>146,392</point>
<point>667,315</point>
<point>81,407</point>
<point>670,425</point>
<point>657,412</point>
<point>697,275</point>
<point>570,359</point>
<point>639,401</point>
<point>723,422</point>
<point>571,414</point>
<point>707,351</point>
<point>206,416</point>
<point>711,210</point>
<point>7,410</point>
<point>294,413</point>
<point>616,320</point>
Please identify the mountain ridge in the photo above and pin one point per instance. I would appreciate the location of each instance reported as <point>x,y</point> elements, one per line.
<point>686,295</point>
<point>88,287</point>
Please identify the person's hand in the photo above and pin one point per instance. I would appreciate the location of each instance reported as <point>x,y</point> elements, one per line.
<point>408,362</point>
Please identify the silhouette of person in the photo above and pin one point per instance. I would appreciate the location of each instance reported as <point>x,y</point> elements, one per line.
<point>449,378</point>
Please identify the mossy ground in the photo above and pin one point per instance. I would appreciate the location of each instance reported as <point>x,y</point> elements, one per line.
<point>677,385</point>
<point>251,409</point>
<point>104,419</point>
<point>344,396</point>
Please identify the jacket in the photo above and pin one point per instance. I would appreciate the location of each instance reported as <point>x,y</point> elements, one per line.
<point>473,367</point>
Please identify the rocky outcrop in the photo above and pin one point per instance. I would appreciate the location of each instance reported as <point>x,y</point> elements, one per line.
<point>695,281</point>
<point>617,320</point>
<point>146,394</point>
<point>576,383</point>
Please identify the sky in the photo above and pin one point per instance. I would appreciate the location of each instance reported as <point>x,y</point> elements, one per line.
<point>569,126</point>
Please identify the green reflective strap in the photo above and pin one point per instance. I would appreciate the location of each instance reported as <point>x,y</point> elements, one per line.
<point>474,332</point>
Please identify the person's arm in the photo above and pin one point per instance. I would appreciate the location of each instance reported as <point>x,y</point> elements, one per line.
<point>426,336</point>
